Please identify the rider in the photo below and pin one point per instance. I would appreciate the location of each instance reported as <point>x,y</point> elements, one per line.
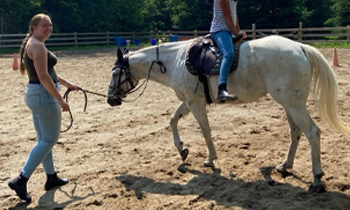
<point>224,27</point>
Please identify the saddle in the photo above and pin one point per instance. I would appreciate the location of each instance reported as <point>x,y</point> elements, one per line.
<point>202,54</point>
<point>204,58</point>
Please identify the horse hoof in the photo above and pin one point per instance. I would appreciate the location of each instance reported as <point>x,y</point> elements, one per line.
<point>317,188</point>
<point>209,163</point>
<point>280,169</point>
<point>184,154</point>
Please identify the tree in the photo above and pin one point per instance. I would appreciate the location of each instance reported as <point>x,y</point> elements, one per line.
<point>341,11</point>
<point>129,15</point>
<point>146,15</point>
<point>64,14</point>
<point>191,14</point>
<point>270,13</point>
<point>15,15</point>
<point>316,12</point>
<point>156,15</point>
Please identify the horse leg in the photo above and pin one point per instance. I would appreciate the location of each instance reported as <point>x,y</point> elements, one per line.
<point>199,111</point>
<point>181,111</point>
<point>295,134</point>
<point>303,120</point>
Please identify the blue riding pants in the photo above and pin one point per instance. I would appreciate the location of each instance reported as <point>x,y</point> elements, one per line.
<point>47,122</point>
<point>224,41</point>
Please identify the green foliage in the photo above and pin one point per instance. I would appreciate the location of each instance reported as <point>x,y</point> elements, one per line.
<point>15,15</point>
<point>191,14</point>
<point>64,14</point>
<point>270,13</point>
<point>341,13</point>
<point>146,15</point>
<point>316,13</point>
<point>156,15</point>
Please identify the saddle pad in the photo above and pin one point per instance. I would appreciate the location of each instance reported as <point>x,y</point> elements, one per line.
<point>216,68</point>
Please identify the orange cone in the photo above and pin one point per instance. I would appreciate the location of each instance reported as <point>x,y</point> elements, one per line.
<point>15,62</point>
<point>335,58</point>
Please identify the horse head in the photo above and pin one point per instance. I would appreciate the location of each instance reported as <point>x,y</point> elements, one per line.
<point>122,81</point>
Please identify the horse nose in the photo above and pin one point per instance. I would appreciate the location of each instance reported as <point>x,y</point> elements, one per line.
<point>114,102</point>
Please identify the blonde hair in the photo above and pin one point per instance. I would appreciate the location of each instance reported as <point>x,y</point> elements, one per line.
<point>33,22</point>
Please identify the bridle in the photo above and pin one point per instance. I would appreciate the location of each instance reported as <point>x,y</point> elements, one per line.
<point>129,77</point>
<point>124,69</point>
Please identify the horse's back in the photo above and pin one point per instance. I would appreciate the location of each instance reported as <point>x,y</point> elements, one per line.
<point>273,47</point>
<point>272,65</point>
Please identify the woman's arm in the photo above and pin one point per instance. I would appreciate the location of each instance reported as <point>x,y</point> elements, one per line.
<point>38,53</point>
<point>66,83</point>
<point>225,7</point>
<point>244,35</point>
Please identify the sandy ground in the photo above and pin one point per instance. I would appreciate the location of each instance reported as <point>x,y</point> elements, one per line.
<point>124,157</point>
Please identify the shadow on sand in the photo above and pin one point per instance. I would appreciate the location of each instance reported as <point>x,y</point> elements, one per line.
<point>47,201</point>
<point>234,192</point>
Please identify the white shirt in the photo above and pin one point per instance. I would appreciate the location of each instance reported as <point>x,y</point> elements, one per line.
<point>219,23</point>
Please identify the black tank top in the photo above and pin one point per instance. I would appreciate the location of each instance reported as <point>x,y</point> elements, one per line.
<point>32,75</point>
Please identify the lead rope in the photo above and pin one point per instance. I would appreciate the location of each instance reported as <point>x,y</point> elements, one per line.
<point>162,69</point>
<point>65,96</point>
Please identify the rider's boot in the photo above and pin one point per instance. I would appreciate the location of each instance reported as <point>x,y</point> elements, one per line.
<point>223,95</point>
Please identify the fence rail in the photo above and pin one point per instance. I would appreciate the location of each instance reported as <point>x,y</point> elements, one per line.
<point>326,34</point>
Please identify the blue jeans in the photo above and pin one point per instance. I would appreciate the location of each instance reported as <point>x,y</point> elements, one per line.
<point>224,41</point>
<point>47,122</point>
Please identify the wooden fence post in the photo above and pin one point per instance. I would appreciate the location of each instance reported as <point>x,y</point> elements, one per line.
<point>195,33</point>
<point>107,37</point>
<point>168,34</point>
<point>76,39</point>
<point>253,31</point>
<point>300,32</point>
<point>348,32</point>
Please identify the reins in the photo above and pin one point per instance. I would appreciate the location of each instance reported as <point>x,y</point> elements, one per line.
<point>145,82</point>
<point>162,69</point>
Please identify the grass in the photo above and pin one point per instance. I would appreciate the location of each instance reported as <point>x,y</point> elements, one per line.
<point>331,45</point>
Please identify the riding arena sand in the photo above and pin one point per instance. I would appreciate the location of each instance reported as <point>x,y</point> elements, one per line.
<point>124,158</point>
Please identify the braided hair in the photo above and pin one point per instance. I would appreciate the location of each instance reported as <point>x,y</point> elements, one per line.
<point>33,22</point>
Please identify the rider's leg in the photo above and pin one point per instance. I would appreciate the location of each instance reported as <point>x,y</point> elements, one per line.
<point>224,41</point>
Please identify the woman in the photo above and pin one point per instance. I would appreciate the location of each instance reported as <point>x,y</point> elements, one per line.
<point>224,26</point>
<point>44,100</point>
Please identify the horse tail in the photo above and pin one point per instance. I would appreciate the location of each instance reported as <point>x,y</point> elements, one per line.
<point>325,88</point>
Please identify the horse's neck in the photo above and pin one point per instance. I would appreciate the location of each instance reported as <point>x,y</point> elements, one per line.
<point>141,61</point>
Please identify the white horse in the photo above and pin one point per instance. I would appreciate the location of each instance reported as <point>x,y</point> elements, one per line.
<point>285,69</point>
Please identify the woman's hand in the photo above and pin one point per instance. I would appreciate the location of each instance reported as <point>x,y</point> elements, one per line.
<point>67,84</point>
<point>64,105</point>
<point>72,86</point>
<point>243,34</point>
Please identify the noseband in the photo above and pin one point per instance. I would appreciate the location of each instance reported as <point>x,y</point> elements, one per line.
<point>125,69</point>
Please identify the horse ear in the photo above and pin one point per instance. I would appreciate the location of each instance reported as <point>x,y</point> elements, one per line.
<point>126,51</point>
<point>119,54</point>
